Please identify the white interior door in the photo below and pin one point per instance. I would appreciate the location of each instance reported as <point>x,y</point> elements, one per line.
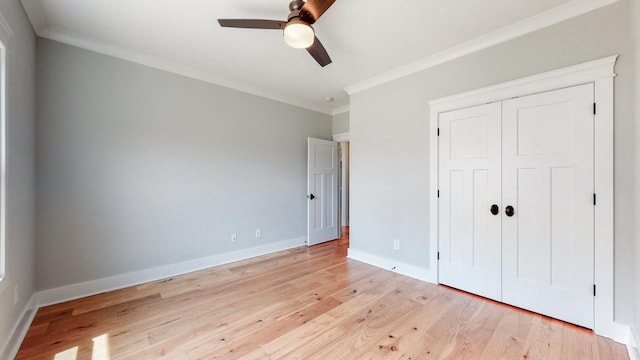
<point>469,182</point>
<point>548,242</point>
<point>322,191</point>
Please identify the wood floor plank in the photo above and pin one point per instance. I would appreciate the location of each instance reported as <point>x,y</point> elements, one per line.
<point>303,303</point>
<point>282,346</point>
<point>411,338</point>
<point>509,339</point>
<point>543,340</point>
<point>367,324</point>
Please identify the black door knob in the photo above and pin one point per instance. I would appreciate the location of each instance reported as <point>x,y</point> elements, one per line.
<point>495,209</point>
<point>311,197</point>
<point>509,211</point>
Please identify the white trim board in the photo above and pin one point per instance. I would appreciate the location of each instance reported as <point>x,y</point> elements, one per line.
<point>341,137</point>
<point>5,30</point>
<point>526,26</point>
<point>35,14</point>
<point>88,288</point>
<point>601,74</point>
<point>554,79</point>
<point>401,268</point>
<point>633,346</point>
<point>340,110</point>
<point>5,36</point>
<point>174,67</point>
<point>10,347</point>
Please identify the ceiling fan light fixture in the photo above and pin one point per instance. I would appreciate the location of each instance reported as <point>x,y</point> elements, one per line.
<point>299,34</point>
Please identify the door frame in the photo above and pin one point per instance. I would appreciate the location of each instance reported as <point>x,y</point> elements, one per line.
<point>341,139</point>
<point>601,73</point>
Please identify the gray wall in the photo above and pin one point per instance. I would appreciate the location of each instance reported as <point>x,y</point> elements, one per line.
<point>341,123</point>
<point>390,137</point>
<point>19,198</point>
<point>140,168</point>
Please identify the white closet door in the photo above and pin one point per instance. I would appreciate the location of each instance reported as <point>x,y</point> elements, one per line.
<point>548,243</point>
<point>469,182</point>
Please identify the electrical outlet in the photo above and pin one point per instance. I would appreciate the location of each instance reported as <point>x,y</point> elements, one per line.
<point>16,295</point>
<point>396,244</point>
<point>258,233</point>
<point>234,237</point>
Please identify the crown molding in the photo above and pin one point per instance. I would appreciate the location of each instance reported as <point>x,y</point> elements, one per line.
<point>569,10</point>
<point>526,26</point>
<point>340,110</point>
<point>37,17</point>
<point>342,137</point>
<point>5,30</point>
<point>35,14</point>
<point>122,53</point>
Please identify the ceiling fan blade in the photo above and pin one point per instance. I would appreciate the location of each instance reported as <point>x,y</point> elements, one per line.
<point>252,23</point>
<point>313,9</point>
<point>319,53</point>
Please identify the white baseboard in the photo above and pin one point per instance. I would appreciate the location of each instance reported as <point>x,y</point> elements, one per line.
<point>12,344</point>
<point>633,346</point>
<point>405,269</point>
<point>53,296</point>
<point>88,288</point>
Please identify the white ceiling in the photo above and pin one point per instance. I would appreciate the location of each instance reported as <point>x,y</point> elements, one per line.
<point>368,40</point>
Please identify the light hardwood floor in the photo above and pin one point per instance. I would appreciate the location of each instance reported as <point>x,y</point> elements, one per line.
<point>305,303</point>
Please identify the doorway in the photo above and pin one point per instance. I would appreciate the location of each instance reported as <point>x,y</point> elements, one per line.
<point>343,194</point>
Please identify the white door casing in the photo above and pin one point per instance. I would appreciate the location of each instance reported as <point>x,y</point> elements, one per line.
<point>322,191</point>
<point>547,177</point>
<point>469,234</point>
<point>601,73</point>
<point>344,181</point>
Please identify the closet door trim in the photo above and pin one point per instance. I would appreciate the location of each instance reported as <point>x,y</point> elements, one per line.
<point>601,73</point>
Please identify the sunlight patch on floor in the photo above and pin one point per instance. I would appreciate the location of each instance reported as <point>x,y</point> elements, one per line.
<point>70,354</point>
<point>100,348</point>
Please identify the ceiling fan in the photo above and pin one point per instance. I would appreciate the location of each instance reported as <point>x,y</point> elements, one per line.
<point>297,30</point>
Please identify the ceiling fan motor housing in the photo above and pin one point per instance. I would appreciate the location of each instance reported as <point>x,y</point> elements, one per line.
<point>295,6</point>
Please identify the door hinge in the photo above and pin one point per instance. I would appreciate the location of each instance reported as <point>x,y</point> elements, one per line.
<point>438,193</point>
<point>594,108</point>
<point>438,255</point>
<point>438,131</point>
<point>594,199</point>
<point>594,289</point>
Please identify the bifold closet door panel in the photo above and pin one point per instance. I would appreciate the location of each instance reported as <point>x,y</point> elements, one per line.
<point>547,167</point>
<point>469,183</point>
